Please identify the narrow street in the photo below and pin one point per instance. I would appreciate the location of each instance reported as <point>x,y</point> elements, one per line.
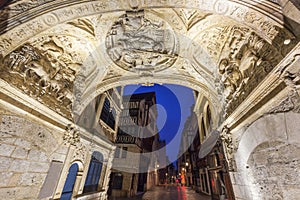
<point>169,193</point>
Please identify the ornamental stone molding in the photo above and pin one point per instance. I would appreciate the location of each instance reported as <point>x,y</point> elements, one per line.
<point>230,148</point>
<point>71,135</point>
<point>80,152</point>
<point>245,62</point>
<point>292,100</point>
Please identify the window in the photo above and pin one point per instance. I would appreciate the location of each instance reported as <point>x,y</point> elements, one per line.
<point>94,172</point>
<point>51,180</point>
<point>209,119</point>
<point>108,114</point>
<point>117,152</point>
<point>117,181</point>
<point>124,152</point>
<point>70,182</point>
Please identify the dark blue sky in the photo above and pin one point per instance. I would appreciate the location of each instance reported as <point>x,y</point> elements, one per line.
<point>174,106</point>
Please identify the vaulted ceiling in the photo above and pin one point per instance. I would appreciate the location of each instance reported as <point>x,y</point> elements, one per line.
<point>63,53</point>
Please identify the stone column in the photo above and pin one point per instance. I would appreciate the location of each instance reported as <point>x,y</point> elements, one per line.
<point>107,172</point>
<point>229,148</point>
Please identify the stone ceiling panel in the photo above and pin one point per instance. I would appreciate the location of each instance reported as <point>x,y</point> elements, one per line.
<point>68,49</point>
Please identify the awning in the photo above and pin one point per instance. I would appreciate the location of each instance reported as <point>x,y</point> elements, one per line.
<point>209,143</point>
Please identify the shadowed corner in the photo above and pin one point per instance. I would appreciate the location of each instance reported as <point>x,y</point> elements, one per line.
<point>291,18</point>
<point>4,14</point>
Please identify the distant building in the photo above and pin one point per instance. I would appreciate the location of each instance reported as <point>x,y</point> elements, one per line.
<point>137,133</point>
<point>201,161</point>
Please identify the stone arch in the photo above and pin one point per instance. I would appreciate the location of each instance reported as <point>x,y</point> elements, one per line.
<point>119,81</point>
<point>274,132</point>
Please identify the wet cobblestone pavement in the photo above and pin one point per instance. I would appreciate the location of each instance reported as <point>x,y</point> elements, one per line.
<point>169,193</point>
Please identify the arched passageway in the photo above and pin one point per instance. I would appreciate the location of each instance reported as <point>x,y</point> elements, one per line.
<point>59,59</point>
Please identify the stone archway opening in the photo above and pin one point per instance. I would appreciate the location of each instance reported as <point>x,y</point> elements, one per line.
<point>57,57</point>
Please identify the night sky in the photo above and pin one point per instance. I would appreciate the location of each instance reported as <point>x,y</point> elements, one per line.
<point>174,106</point>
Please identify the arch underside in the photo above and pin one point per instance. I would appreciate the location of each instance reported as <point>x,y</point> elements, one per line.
<point>61,55</point>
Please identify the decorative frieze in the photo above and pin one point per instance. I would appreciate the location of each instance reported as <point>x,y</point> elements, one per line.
<point>45,70</point>
<point>17,12</point>
<point>190,17</point>
<point>80,152</point>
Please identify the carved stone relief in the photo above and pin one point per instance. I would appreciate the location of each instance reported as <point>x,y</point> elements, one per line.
<point>213,40</point>
<point>84,24</point>
<point>80,152</point>
<point>71,135</point>
<point>190,17</point>
<point>141,42</point>
<point>292,101</point>
<point>45,70</point>
<point>246,61</point>
<point>66,10</point>
<point>230,148</point>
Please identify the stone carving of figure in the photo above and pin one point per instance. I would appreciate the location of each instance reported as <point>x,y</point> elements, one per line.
<point>244,51</point>
<point>231,77</point>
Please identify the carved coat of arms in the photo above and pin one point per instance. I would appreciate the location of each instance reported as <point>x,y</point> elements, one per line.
<point>137,43</point>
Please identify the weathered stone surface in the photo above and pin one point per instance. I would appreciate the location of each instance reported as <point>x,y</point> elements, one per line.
<point>36,155</point>
<point>6,150</point>
<point>20,153</point>
<point>293,129</point>
<point>5,162</point>
<point>31,179</point>
<point>5,177</point>
<point>38,167</point>
<point>20,166</point>
<point>272,161</point>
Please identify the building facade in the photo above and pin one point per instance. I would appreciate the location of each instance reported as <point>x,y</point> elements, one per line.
<point>202,164</point>
<point>134,170</point>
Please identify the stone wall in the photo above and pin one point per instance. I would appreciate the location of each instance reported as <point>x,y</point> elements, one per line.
<point>29,146</point>
<point>26,151</point>
<point>268,159</point>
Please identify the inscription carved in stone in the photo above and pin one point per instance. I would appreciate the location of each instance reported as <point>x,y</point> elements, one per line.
<point>138,43</point>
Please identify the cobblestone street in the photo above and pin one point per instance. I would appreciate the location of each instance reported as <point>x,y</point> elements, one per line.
<point>169,193</point>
